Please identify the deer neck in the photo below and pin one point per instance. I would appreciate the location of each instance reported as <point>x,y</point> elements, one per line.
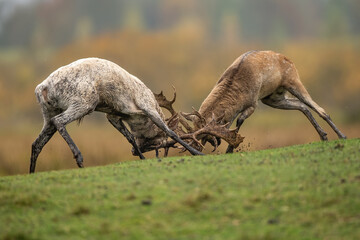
<point>221,104</point>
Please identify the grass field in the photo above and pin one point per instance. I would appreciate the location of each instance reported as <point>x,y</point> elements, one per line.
<point>307,191</point>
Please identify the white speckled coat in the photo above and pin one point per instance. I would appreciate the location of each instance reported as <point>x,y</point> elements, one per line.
<point>97,84</point>
<point>94,84</point>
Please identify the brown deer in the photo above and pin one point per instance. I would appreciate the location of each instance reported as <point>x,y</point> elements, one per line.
<point>258,75</point>
<point>94,84</point>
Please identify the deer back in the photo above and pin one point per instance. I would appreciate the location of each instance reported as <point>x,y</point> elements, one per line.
<point>252,76</point>
<point>103,86</point>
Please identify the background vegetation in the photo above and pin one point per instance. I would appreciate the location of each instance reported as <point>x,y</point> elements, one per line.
<point>187,44</point>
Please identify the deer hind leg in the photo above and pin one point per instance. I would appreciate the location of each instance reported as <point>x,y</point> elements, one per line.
<point>243,115</point>
<point>45,135</point>
<point>299,91</point>
<point>120,126</point>
<point>281,102</point>
<point>60,121</point>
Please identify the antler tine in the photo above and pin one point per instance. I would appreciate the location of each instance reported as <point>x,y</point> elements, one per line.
<point>221,131</point>
<point>174,98</point>
<point>183,121</point>
<point>197,141</point>
<point>197,113</point>
<point>173,121</point>
<point>211,132</point>
<point>214,142</point>
<point>173,124</point>
<point>163,102</point>
<point>194,113</point>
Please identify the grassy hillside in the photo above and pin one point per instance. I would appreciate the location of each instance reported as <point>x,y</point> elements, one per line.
<point>302,192</point>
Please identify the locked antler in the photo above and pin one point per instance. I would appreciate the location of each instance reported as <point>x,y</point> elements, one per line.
<point>196,136</point>
<point>196,114</point>
<point>163,102</point>
<point>213,128</point>
<point>175,119</point>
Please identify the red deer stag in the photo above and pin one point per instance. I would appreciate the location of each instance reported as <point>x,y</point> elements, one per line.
<point>93,84</point>
<point>259,75</point>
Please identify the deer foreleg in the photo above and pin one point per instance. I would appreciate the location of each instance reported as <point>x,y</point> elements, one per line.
<point>120,126</point>
<point>243,115</point>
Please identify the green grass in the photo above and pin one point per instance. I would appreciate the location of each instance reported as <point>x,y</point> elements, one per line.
<point>301,192</point>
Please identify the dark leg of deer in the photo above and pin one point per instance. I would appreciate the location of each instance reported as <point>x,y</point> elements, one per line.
<point>75,150</point>
<point>305,98</point>
<point>46,133</point>
<point>154,116</point>
<point>295,104</point>
<point>332,125</point>
<point>166,151</point>
<point>325,116</point>
<point>120,126</point>
<point>60,122</point>
<point>243,115</point>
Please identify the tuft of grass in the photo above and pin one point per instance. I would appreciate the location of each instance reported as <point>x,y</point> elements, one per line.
<point>300,192</point>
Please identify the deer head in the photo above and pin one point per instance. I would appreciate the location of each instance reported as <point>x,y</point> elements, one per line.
<point>194,129</point>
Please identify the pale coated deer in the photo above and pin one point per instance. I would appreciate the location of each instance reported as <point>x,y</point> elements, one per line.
<point>259,75</point>
<point>94,84</point>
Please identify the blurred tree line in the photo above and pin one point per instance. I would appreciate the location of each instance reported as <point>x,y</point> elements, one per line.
<point>185,43</point>
<point>58,22</point>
